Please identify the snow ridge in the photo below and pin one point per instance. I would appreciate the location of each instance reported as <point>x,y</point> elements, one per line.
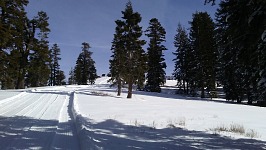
<point>85,140</point>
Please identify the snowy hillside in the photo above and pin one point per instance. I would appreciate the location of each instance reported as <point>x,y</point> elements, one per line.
<point>93,117</point>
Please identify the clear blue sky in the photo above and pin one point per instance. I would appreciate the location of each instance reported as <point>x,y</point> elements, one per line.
<point>75,21</point>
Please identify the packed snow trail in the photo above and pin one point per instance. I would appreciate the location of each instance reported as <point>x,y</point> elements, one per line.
<point>37,120</point>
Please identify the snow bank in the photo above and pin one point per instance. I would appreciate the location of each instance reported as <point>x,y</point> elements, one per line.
<point>85,135</point>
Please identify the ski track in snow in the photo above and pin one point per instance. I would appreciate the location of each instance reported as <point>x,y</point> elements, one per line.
<point>37,120</point>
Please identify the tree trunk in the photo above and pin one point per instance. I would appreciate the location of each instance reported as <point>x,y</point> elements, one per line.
<point>129,94</point>
<point>119,86</point>
<point>20,81</point>
<point>21,72</point>
<point>249,97</point>
<point>187,88</point>
<point>202,83</point>
<point>184,87</point>
<point>238,100</point>
<point>202,90</point>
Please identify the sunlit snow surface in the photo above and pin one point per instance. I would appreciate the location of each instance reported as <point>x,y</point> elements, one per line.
<point>93,117</point>
<point>163,121</point>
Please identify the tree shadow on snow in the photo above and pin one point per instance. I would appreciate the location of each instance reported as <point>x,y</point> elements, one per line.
<point>114,135</point>
<point>28,133</point>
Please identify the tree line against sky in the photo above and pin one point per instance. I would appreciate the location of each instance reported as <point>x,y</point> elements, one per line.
<point>229,50</point>
<point>25,57</point>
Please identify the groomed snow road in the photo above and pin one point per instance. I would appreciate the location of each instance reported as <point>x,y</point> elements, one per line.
<point>37,120</point>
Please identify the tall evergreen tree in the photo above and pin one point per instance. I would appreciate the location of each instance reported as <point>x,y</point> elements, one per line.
<point>85,69</point>
<point>262,69</point>
<point>228,74</point>
<point>24,43</point>
<point>15,36</point>
<point>134,70</point>
<point>18,41</point>
<point>182,59</point>
<point>243,23</point>
<point>156,64</point>
<point>118,57</point>
<point>55,66</point>
<point>202,37</point>
<point>38,72</point>
<point>71,79</point>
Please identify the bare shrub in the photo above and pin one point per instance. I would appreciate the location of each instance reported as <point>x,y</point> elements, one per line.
<point>237,128</point>
<point>221,128</point>
<point>177,122</point>
<point>252,134</point>
<point>181,121</point>
<point>136,123</point>
<point>170,124</point>
<point>153,125</point>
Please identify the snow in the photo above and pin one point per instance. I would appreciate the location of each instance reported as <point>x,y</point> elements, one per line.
<point>93,117</point>
<point>4,94</point>
<point>36,120</point>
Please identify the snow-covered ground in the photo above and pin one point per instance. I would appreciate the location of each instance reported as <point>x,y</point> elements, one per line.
<point>8,93</point>
<point>93,117</point>
<point>37,120</point>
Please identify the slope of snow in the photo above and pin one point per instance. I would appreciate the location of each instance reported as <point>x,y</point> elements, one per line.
<point>162,121</point>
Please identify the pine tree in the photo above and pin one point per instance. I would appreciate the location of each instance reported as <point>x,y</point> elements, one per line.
<point>17,42</point>
<point>134,70</point>
<point>11,71</point>
<point>55,66</point>
<point>203,44</point>
<point>7,16</point>
<point>243,22</point>
<point>18,36</point>
<point>12,12</point>
<point>118,58</point>
<point>182,59</point>
<point>229,73</point>
<point>3,65</point>
<point>92,72</point>
<point>60,77</point>
<point>38,72</point>
<point>262,69</point>
<point>156,64</point>
<point>24,43</point>
<point>71,79</point>
<point>85,67</point>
